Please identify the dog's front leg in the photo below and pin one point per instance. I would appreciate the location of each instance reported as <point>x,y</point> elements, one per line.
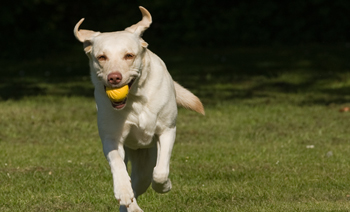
<point>161,182</point>
<point>121,181</point>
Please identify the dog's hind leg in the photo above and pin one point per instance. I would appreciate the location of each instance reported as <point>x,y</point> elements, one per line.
<point>142,163</point>
<point>161,182</point>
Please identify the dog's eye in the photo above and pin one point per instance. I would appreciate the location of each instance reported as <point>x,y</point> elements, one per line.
<point>102,58</point>
<point>129,56</point>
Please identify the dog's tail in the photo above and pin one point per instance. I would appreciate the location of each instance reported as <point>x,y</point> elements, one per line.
<point>187,99</point>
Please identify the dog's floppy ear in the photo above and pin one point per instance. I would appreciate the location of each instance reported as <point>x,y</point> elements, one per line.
<point>84,36</point>
<point>142,25</point>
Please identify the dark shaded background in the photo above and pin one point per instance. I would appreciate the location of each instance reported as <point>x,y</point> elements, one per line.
<point>253,48</point>
<point>41,28</point>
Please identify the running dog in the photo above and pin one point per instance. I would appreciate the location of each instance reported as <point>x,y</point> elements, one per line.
<point>142,127</point>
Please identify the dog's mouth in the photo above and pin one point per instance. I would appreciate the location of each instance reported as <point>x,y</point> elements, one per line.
<point>121,104</point>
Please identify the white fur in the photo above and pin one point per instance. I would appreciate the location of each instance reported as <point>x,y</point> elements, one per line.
<point>144,130</point>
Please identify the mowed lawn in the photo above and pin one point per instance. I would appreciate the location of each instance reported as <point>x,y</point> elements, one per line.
<point>273,137</point>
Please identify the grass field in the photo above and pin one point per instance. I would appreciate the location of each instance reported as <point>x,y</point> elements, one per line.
<point>273,138</point>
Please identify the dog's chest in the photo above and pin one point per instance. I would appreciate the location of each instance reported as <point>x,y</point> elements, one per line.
<point>139,129</point>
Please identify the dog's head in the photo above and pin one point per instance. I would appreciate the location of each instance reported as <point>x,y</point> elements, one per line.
<point>116,57</point>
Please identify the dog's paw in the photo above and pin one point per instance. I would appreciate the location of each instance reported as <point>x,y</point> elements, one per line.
<point>124,195</point>
<point>162,187</point>
<point>133,207</point>
<point>161,182</point>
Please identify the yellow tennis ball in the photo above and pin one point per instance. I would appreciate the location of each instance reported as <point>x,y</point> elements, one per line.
<point>117,94</point>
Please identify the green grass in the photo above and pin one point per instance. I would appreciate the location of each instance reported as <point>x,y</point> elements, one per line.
<point>265,107</point>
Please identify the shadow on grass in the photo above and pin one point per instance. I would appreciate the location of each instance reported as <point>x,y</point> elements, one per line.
<point>248,73</point>
<point>212,74</point>
<point>66,76</point>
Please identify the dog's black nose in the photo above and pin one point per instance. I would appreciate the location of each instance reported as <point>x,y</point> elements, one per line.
<point>114,78</point>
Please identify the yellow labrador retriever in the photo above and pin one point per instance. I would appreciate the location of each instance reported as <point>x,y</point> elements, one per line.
<point>142,127</point>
